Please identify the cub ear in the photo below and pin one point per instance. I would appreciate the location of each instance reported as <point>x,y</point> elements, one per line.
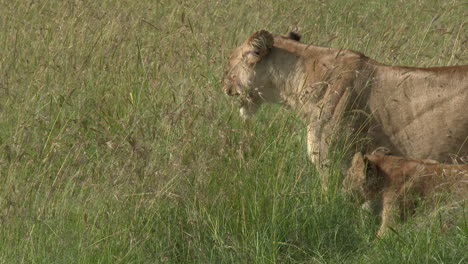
<point>260,44</point>
<point>358,167</point>
<point>381,151</point>
<point>372,161</point>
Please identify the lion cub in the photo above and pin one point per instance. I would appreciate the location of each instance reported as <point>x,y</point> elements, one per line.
<point>399,182</point>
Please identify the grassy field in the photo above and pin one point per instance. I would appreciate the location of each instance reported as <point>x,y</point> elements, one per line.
<point>117,144</point>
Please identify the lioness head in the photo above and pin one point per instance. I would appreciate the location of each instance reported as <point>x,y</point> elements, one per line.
<point>247,76</point>
<point>256,70</point>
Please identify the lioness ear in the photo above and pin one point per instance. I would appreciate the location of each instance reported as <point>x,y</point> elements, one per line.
<point>294,35</point>
<point>260,44</point>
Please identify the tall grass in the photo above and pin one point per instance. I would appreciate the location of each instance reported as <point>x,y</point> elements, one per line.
<point>118,145</point>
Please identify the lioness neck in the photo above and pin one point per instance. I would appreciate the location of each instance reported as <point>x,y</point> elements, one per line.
<point>303,74</point>
<point>287,75</point>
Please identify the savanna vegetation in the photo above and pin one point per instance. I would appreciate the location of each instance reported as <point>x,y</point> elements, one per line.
<point>117,144</point>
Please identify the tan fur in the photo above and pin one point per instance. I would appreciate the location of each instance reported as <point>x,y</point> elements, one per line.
<point>400,182</point>
<point>416,112</point>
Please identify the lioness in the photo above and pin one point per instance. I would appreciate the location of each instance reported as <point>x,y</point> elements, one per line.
<point>399,182</point>
<point>416,112</point>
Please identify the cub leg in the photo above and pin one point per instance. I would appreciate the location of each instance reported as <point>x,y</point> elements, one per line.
<point>389,212</point>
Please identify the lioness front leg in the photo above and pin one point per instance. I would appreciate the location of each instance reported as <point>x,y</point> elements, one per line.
<point>317,148</point>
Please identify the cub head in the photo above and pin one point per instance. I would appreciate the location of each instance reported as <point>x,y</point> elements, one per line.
<point>246,76</point>
<point>355,180</point>
<point>363,179</point>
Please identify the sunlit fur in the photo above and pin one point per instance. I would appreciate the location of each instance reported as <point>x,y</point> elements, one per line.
<point>417,112</point>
